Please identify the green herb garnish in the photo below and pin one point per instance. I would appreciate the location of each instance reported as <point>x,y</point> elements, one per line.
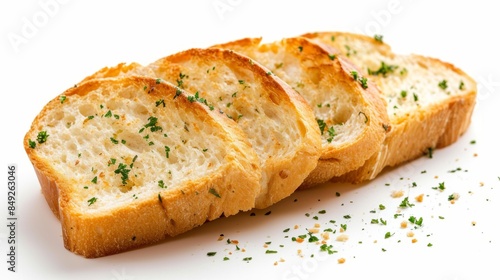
<point>42,137</point>
<point>123,171</point>
<point>443,84</point>
<point>92,201</point>
<point>32,144</point>
<point>214,192</point>
<point>383,70</point>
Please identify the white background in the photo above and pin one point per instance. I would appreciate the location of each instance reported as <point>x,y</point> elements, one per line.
<point>47,46</point>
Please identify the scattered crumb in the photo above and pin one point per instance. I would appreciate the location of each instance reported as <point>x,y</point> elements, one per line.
<point>435,177</point>
<point>316,225</point>
<point>420,198</point>
<point>325,235</point>
<point>414,240</point>
<point>341,260</point>
<point>397,194</point>
<point>481,184</point>
<point>221,237</point>
<point>342,238</point>
<point>474,223</point>
<point>410,234</point>
<point>296,227</point>
<point>475,154</point>
<point>454,197</point>
<point>404,224</point>
<point>313,230</point>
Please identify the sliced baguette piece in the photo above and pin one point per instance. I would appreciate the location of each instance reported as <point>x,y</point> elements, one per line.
<point>127,162</point>
<point>278,122</point>
<point>351,115</point>
<point>429,101</point>
<point>121,70</point>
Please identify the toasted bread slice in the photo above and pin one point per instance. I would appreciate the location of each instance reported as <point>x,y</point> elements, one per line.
<point>127,162</point>
<point>429,102</point>
<point>121,70</point>
<point>351,115</point>
<point>278,122</point>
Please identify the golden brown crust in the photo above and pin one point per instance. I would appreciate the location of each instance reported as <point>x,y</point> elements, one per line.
<point>332,75</point>
<point>412,134</point>
<point>120,70</point>
<point>282,174</point>
<point>167,212</point>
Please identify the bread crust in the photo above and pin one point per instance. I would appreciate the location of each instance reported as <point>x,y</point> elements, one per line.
<point>413,134</point>
<point>336,78</point>
<point>282,174</point>
<point>167,212</point>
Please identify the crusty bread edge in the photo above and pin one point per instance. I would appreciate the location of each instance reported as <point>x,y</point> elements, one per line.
<point>151,220</point>
<point>437,126</point>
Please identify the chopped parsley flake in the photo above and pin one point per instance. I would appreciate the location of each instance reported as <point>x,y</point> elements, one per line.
<point>31,143</point>
<point>42,137</point>
<point>331,133</point>
<point>91,201</point>
<point>327,248</point>
<point>161,184</point>
<point>211,254</point>
<point>62,98</point>
<point>443,84</point>
<point>152,124</point>
<point>383,70</point>
<point>214,192</point>
<point>416,221</point>
<point>167,151</point>
<point>322,125</point>
<point>406,203</point>
<point>160,102</point>
<point>378,38</point>
<point>123,171</point>
<point>177,93</point>
<point>429,152</point>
